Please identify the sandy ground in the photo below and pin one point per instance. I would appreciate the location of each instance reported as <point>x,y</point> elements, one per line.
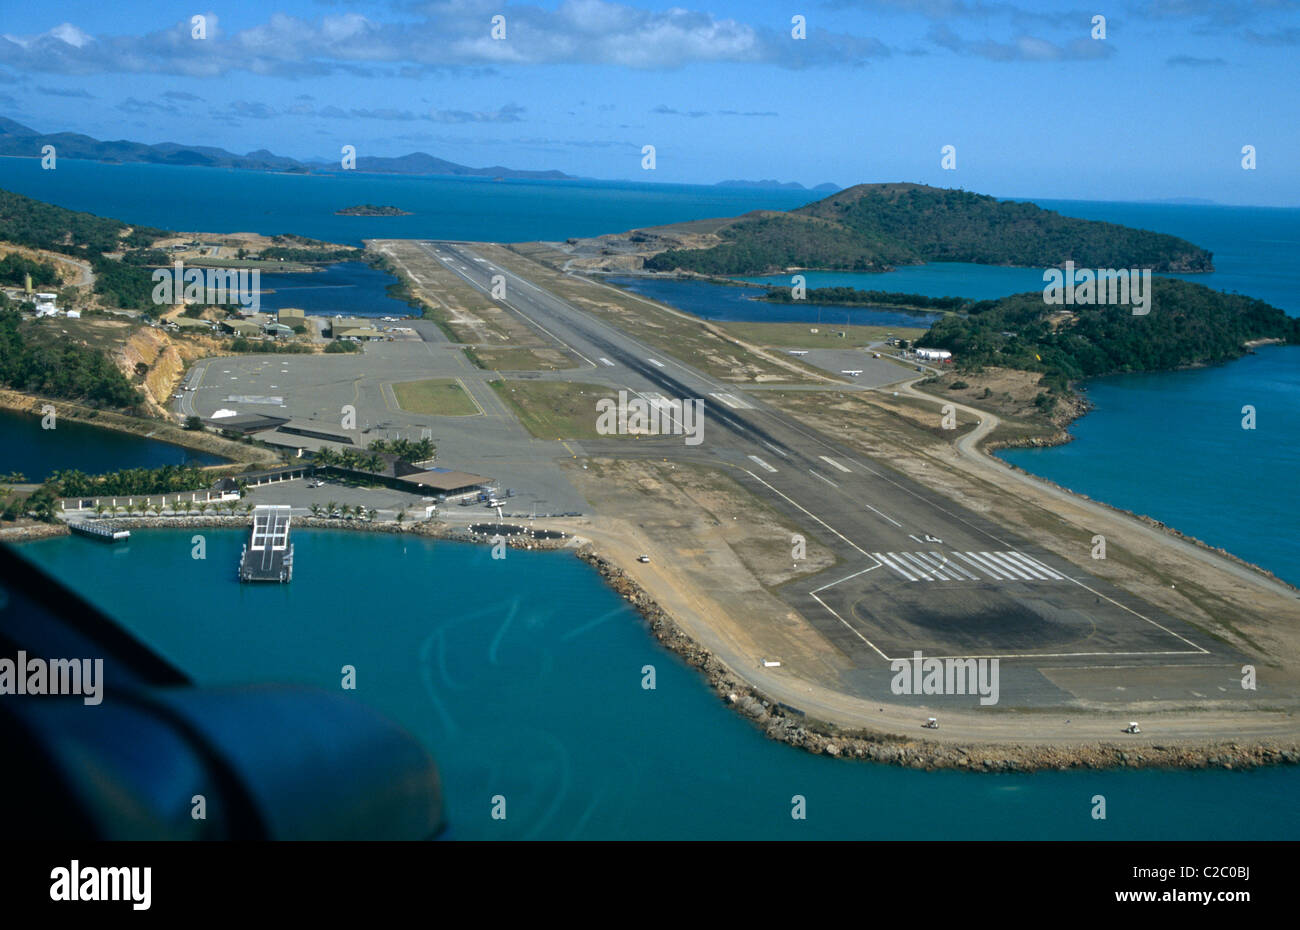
<point>693,529</point>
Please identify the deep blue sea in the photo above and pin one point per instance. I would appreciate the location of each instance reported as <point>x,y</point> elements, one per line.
<point>523,678</point>
<point>218,200</point>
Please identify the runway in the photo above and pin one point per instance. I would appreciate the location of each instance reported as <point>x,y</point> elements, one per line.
<point>916,571</point>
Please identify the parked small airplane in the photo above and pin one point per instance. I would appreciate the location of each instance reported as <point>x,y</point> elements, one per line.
<point>851,372</point>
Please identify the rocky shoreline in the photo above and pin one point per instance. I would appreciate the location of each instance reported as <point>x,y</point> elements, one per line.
<point>791,726</point>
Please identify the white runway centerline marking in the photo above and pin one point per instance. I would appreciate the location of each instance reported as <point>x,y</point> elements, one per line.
<point>834,464</point>
<point>731,400</point>
<point>761,463</point>
<point>655,362</point>
<point>882,515</point>
<point>823,478</point>
<point>605,361</point>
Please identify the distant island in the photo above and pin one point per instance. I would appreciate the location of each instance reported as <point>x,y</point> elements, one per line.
<point>767,184</point>
<point>877,227</point>
<point>23,141</point>
<point>369,209</point>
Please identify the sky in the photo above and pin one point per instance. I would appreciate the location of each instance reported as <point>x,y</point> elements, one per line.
<point>1032,103</point>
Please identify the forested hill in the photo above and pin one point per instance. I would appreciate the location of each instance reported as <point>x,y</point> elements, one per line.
<point>40,225</point>
<point>1188,324</point>
<point>875,227</point>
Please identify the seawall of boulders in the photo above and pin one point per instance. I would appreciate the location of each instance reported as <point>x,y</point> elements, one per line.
<point>790,725</point>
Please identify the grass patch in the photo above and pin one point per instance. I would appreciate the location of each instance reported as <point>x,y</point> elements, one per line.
<point>517,359</point>
<point>439,397</point>
<point>798,336</point>
<point>554,409</point>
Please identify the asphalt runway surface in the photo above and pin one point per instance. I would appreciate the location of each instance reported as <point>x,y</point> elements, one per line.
<point>916,571</point>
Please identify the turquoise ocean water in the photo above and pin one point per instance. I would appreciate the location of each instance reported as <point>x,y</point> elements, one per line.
<point>523,677</point>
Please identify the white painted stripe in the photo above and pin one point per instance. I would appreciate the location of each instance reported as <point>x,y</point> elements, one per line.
<point>1030,561</point>
<point>727,399</point>
<point>605,361</point>
<point>915,564</point>
<point>1010,559</point>
<point>885,516</point>
<point>834,464</point>
<point>936,567</point>
<point>951,565</point>
<point>1006,566</point>
<point>823,477</point>
<point>778,451</point>
<point>985,566</point>
<point>889,562</point>
<point>655,362</point>
<point>761,463</point>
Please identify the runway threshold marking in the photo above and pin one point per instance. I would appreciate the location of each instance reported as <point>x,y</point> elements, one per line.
<point>834,464</point>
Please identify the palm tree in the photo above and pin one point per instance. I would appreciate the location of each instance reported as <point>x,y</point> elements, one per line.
<point>325,456</point>
<point>331,507</point>
<point>401,515</point>
<point>375,462</point>
<point>248,508</point>
<point>315,510</point>
<point>203,508</point>
<point>99,509</point>
<point>374,513</point>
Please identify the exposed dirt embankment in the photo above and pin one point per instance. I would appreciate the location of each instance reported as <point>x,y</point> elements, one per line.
<point>154,349</point>
<point>789,725</point>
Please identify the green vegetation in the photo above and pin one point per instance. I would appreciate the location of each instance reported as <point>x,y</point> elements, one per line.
<point>240,344</point>
<point>1188,324</point>
<point>44,226</point>
<point>150,257</point>
<point>59,369</point>
<point>554,409</point>
<point>119,285</point>
<point>439,397</point>
<point>873,227</point>
<point>342,345</point>
<point>409,450</point>
<point>128,481</point>
<point>401,290</point>
<point>350,459</point>
<point>798,335</point>
<point>310,254</point>
<point>15,268</point>
<point>852,297</point>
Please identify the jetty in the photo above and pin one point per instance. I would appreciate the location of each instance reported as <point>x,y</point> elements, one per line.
<point>106,532</point>
<point>268,554</point>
